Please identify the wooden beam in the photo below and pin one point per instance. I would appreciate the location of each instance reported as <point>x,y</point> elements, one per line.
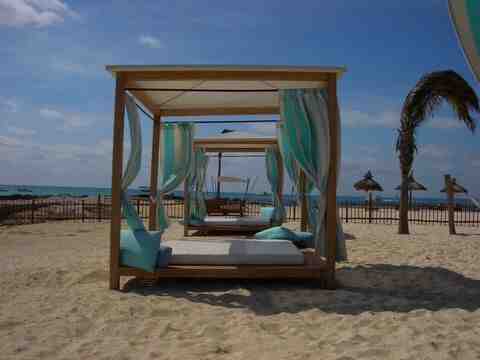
<point>117,164</point>
<point>331,216</point>
<point>303,200</point>
<point>207,74</point>
<point>147,102</point>
<point>243,110</point>
<point>152,216</point>
<point>186,207</point>
<point>240,141</point>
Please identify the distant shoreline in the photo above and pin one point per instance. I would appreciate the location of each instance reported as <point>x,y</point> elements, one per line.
<point>26,192</point>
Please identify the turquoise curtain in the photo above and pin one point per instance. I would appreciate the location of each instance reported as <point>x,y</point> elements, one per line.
<point>275,178</point>
<point>293,171</point>
<point>305,124</point>
<point>175,162</point>
<point>133,165</point>
<point>196,183</point>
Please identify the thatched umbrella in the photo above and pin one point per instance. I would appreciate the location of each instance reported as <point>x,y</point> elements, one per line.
<point>451,187</point>
<point>413,185</point>
<point>457,188</point>
<point>368,184</point>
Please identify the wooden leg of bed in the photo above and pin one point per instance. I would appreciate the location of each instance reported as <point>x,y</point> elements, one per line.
<point>115,282</point>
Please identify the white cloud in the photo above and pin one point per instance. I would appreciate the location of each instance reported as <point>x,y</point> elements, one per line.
<point>357,118</point>
<point>150,41</point>
<point>10,105</point>
<point>69,120</point>
<point>33,12</point>
<point>20,131</point>
<point>51,114</point>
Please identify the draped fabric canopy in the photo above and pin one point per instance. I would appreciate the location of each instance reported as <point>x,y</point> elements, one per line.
<point>275,178</point>
<point>133,165</point>
<point>305,124</point>
<point>175,163</point>
<point>465,16</point>
<point>196,183</point>
<point>293,169</point>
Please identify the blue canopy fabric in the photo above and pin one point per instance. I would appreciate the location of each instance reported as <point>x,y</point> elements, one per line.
<point>465,16</point>
<point>133,165</point>
<point>293,170</point>
<point>304,116</point>
<point>275,178</point>
<point>175,163</point>
<point>196,183</point>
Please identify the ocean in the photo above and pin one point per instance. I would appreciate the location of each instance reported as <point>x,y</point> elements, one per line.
<point>71,191</point>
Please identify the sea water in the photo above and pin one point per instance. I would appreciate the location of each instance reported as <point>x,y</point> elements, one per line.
<point>72,191</point>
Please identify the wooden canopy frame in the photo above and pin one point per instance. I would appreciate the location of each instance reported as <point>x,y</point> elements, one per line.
<point>145,81</point>
<point>229,145</point>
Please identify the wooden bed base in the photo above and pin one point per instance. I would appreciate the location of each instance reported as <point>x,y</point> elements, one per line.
<point>313,269</point>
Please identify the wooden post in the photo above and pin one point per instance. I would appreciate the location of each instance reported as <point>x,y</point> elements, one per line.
<point>331,216</point>
<point>451,212</point>
<point>186,207</point>
<point>99,214</point>
<point>219,173</point>
<point>303,200</point>
<point>152,214</point>
<point>83,211</point>
<point>32,220</point>
<point>369,207</point>
<point>117,165</point>
<point>280,177</point>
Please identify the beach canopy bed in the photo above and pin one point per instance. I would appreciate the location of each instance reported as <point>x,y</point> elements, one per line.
<point>268,216</point>
<point>306,100</point>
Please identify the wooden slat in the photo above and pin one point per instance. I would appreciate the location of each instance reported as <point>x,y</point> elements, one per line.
<point>247,75</point>
<point>154,172</point>
<point>117,164</point>
<point>303,200</point>
<point>232,272</point>
<point>331,217</point>
<point>244,110</point>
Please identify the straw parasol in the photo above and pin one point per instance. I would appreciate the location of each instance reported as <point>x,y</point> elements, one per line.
<point>457,188</point>
<point>368,184</point>
<point>451,188</point>
<point>413,185</point>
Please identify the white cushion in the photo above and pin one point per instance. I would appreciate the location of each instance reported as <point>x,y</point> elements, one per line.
<point>246,220</point>
<point>234,252</point>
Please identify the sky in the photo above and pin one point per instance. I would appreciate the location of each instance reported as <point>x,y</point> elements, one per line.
<point>56,98</point>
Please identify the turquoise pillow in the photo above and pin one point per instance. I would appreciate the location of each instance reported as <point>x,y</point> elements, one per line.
<point>139,249</point>
<point>267,212</point>
<point>163,256</point>
<point>276,233</point>
<point>303,239</point>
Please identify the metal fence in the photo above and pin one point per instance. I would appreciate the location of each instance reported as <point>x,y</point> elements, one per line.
<point>99,209</point>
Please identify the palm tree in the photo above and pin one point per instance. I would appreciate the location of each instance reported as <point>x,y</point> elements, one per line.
<point>420,104</point>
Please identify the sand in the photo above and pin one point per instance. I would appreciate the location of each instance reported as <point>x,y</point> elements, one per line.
<point>402,297</point>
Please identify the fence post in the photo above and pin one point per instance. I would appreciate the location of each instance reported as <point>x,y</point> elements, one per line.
<point>138,209</point>
<point>99,215</point>
<point>32,217</point>
<point>83,211</point>
<point>346,211</point>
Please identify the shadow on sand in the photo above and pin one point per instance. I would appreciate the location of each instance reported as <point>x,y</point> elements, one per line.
<point>373,288</point>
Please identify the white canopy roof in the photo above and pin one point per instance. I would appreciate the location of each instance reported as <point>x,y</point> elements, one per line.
<point>170,90</point>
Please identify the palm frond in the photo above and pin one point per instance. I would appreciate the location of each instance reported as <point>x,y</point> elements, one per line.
<point>422,102</point>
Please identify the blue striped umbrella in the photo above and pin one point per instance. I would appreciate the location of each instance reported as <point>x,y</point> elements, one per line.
<point>465,15</point>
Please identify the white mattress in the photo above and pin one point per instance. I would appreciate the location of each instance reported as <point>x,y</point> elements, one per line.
<point>234,252</point>
<point>245,220</point>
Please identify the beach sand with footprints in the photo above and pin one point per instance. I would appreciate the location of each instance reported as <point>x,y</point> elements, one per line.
<point>401,297</point>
